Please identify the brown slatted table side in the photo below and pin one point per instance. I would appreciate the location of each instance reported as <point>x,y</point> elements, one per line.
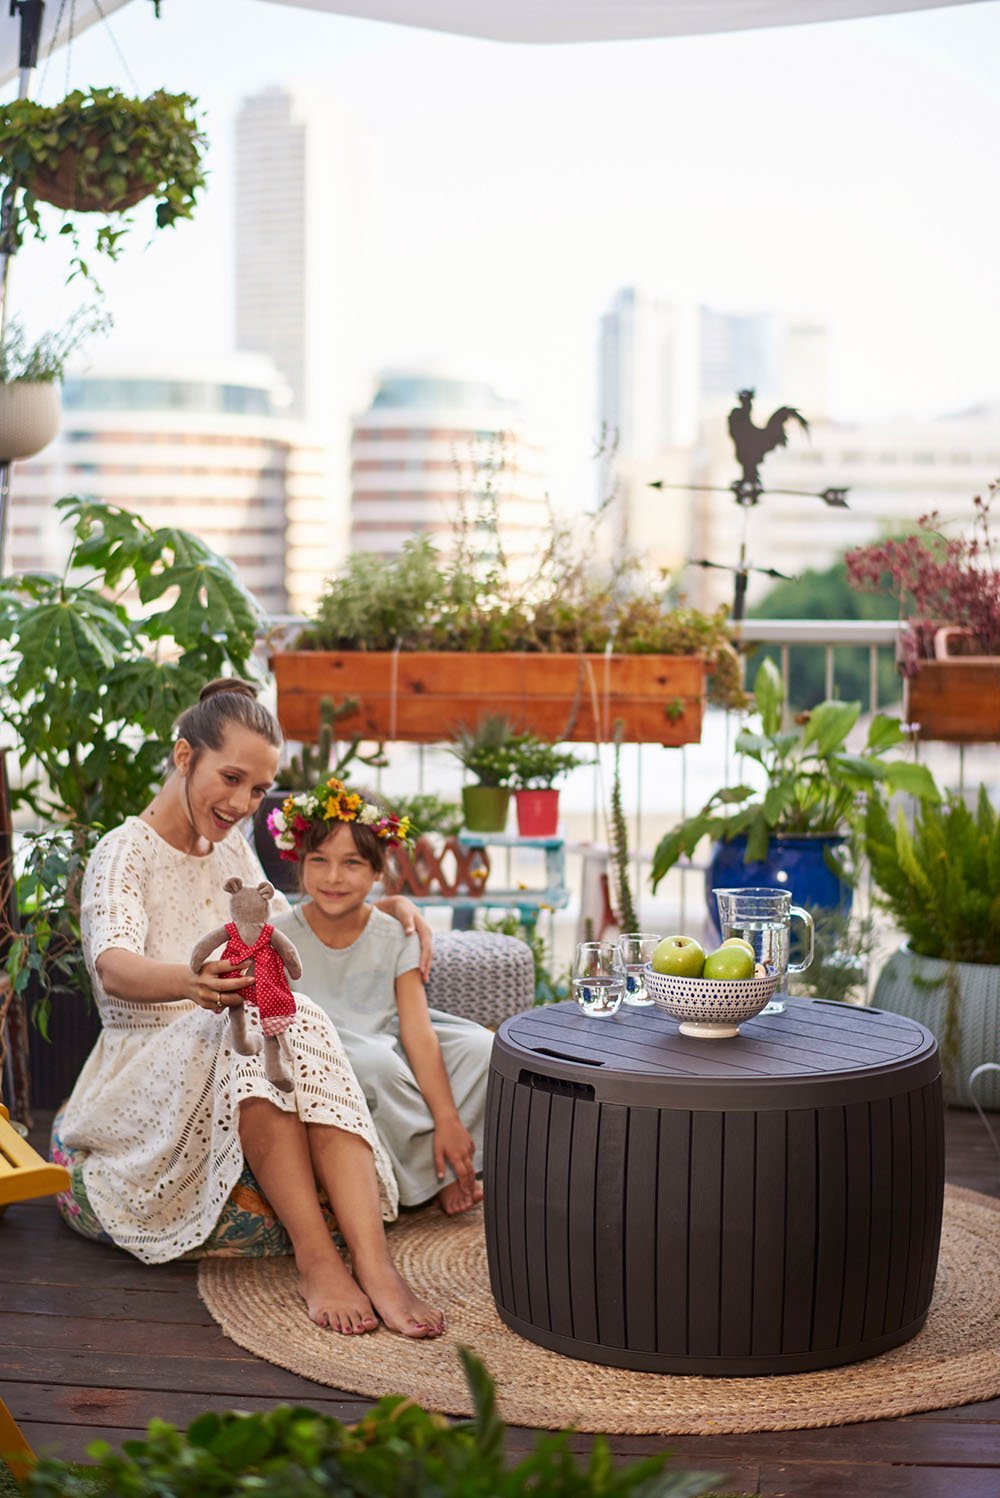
<point>767,1203</point>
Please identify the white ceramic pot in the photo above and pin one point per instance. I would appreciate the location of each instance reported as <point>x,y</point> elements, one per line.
<point>29,417</point>
<point>919,987</point>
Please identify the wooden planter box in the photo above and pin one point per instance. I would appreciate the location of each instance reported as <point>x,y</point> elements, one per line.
<point>423,696</point>
<point>956,700</point>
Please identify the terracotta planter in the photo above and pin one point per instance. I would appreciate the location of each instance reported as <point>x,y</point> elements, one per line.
<point>485,807</point>
<point>29,417</point>
<point>537,812</point>
<point>423,696</point>
<point>956,700</point>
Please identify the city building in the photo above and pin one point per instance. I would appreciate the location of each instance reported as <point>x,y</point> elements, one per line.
<point>299,257</point>
<point>433,450</point>
<point>207,448</point>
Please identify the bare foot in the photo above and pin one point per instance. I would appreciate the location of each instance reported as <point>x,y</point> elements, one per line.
<point>454,1198</point>
<point>334,1299</point>
<point>400,1308</point>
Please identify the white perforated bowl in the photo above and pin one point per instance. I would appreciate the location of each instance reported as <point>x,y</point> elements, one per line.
<point>707,1007</point>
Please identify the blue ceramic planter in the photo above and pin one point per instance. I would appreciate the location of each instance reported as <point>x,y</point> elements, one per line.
<point>797,864</point>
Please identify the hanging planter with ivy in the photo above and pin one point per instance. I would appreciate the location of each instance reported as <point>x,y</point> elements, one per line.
<point>101,151</point>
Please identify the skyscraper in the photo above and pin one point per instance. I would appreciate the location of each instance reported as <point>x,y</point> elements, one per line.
<point>298,257</point>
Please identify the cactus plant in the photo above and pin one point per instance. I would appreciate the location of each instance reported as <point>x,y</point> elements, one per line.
<point>316,761</point>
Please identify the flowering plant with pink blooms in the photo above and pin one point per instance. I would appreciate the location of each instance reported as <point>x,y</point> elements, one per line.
<point>938,581</point>
<point>330,802</point>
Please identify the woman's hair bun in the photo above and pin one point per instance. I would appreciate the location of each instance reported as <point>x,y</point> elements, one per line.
<point>227,684</point>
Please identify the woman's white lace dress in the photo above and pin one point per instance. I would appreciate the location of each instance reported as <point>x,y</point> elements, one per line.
<point>156,1103</point>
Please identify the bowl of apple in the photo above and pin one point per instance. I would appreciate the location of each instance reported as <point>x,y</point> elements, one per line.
<point>709,993</point>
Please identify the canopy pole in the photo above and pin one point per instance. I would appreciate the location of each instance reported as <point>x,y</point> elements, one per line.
<point>31,13</point>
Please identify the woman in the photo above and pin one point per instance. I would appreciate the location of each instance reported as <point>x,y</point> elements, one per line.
<point>164,1105</point>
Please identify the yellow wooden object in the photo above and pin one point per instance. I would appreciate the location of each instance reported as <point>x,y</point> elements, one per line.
<point>23,1174</point>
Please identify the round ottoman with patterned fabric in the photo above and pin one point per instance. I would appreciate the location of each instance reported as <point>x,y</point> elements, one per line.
<point>481,975</point>
<point>246,1229</point>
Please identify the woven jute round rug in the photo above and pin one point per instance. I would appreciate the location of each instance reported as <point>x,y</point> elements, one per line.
<point>954,1360</point>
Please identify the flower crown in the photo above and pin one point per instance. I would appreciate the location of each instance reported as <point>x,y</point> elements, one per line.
<point>330,802</point>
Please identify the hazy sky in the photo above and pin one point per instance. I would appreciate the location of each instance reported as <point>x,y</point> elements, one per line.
<point>845,172</point>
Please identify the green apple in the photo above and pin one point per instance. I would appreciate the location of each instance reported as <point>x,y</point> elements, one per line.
<point>729,964</point>
<point>737,941</point>
<point>679,957</point>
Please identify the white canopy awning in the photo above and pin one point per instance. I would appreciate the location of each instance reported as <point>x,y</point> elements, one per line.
<point>527,20</point>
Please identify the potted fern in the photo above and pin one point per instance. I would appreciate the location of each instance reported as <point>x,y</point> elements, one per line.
<point>487,752</point>
<point>939,879</point>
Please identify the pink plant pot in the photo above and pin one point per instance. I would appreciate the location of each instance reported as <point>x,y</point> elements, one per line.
<point>537,813</point>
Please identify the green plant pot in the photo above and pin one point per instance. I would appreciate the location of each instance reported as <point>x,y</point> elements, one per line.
<point>485,807</point>
<point>919,988</point>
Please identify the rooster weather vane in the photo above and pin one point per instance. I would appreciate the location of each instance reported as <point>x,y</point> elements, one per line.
<point>752,444</point>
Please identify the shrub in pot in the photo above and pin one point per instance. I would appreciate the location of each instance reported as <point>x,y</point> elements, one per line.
<point>424,639</point>
<point>940,881</point>
<point>535,765</point>
<point>947,590</point>
<point>90,693</point>
<point>796,829</point>
<point>486,751</point>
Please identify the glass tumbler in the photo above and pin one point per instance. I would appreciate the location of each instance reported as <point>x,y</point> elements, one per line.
<point>635,949</point>
<point>598,978</point>
<point>762,916</point>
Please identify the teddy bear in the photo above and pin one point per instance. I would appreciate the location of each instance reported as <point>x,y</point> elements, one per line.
<point>272,960</point>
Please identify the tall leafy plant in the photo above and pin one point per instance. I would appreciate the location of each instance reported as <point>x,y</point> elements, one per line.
<point>813,782</point>
<point>96,662</point>
<point>95,665</point>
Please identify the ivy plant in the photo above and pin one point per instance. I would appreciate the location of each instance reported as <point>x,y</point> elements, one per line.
<point>105,149</point>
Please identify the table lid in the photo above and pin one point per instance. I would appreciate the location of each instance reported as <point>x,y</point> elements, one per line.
<point>818,1052</point>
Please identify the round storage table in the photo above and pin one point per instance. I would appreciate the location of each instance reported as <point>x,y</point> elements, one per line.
<point>765,1204</point>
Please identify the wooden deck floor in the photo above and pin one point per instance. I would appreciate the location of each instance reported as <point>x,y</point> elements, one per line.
<point>94,1343</point>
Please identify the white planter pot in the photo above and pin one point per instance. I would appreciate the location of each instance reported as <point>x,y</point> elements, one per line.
<point>919,987</point>
<point>29,417</point>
